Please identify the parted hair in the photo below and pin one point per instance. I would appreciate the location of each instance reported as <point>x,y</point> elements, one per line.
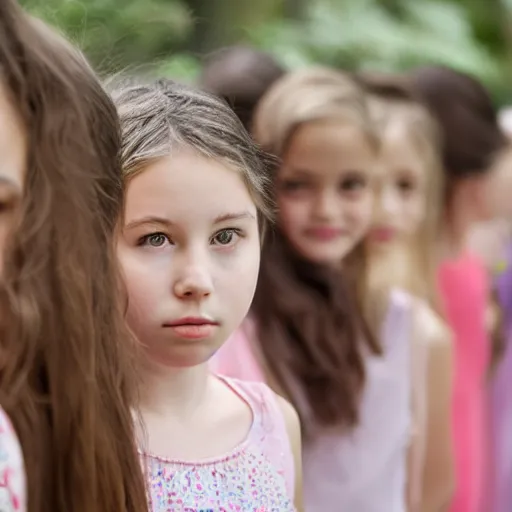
<point>159,117</point>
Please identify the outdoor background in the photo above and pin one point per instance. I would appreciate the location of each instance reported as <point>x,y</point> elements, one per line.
<point>172,36</point>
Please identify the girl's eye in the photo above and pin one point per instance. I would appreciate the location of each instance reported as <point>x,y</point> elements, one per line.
<point>154,240</point>
<point>225,237</point>
<point>405,185</point>
<point>293,185</point>
<point>353,181</point>
<point>351,184</point>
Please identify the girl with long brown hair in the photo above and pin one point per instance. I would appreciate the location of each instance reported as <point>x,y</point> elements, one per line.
<point>306,333</point>
<point>67,362</point>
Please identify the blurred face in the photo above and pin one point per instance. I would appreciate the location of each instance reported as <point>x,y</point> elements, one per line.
<point>189,248</point>
<point>497,188</point>
<point>13,154</point>
<point>324,190</point>
<point>400,192</point>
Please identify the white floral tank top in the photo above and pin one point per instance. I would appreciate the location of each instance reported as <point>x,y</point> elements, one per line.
<point>257,476</point>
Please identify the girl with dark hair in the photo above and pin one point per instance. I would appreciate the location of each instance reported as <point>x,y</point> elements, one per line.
<point>67,362</point>
<point>241,75</point>
<point>471,142</point>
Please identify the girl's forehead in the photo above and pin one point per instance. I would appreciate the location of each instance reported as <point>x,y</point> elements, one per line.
<point>188,185</point>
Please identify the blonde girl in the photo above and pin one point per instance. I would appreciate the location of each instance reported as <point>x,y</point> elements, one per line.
<point>306,333</point>
<point>402,252</point>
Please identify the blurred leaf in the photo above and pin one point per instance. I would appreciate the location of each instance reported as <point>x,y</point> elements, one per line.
<point>362,34</point>
<point>181,67</point>
<point>119,33</point>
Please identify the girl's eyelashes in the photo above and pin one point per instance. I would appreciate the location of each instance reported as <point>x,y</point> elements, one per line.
<point>406,185</point>
<point>154,240</point>
<point>8,203</point>
<point>353,183</point>
<point>293,185</point>
<point>226,237</point>
<point>350,182</point>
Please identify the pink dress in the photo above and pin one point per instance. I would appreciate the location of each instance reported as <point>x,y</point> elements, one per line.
<point>464,288</point>
<point>12,474</point>
<point>257,476</point>
<point>363,470</point>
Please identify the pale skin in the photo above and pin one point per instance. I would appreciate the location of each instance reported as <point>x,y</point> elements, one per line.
<point>13,155</point>
<point>324,190</point>
<point>193,254</point>
<point>431,463</point>
<point>399,214</point>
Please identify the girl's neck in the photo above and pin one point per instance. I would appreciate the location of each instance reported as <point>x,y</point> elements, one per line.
<point>458,221</point>
<point>389,269</point>
<point>173,392</point>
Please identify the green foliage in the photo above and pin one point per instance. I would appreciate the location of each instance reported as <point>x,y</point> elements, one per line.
<point>470,35</point>
<point>359,34</point>
<point>182,66</point>
<point>119,33</point>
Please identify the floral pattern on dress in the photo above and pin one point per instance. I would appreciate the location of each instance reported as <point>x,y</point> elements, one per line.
<point>12,473</point>
<point>257,476</point>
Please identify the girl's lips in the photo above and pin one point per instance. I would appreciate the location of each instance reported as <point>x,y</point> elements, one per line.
<point>324,234</point>
<point>193,331</point>
<point>382,234</point>
<point>193,328</point>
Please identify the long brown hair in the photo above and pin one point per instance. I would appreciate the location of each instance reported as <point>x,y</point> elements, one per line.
<point>309,322</point>
<point>67,363</point>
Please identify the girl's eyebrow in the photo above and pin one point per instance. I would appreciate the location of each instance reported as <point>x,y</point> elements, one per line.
<point>233,216</point>
<point>150,219</point>
<point>296,172</point>
<point>162,221</point>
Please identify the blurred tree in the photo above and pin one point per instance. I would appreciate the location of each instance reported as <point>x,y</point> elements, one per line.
<point>171,35</point>
<point>223,22</point>
<point>387,35</point>
<point>119,33</point>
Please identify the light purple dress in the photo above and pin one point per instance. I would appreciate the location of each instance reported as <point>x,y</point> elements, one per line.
<point>500,499</point>
<point>363,470</point>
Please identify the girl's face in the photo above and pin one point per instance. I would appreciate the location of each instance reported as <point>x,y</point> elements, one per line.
<point>324,190</point>
<point>189,248</point>
<point>497,188</point>
<point>401,192</point>
<point>13,155</point>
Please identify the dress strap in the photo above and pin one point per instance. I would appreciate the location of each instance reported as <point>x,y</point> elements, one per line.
<point>269,428</point>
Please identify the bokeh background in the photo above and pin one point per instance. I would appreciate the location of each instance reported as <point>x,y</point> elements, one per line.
<point>173,36</point>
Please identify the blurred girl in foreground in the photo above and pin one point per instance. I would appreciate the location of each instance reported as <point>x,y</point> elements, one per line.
<point>66,376</point>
